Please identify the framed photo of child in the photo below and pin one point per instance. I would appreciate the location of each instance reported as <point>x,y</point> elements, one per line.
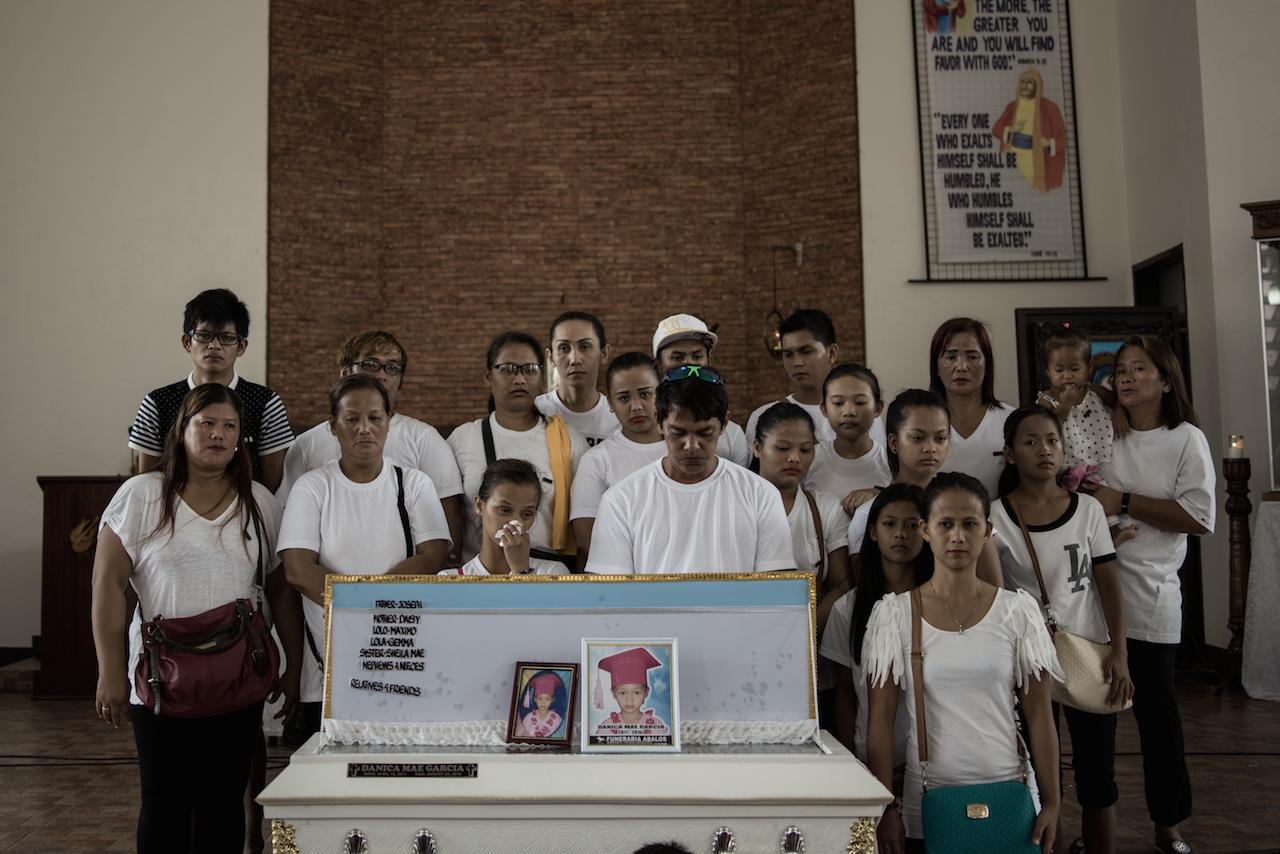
<point>630,695</point>
<point>543,699</point>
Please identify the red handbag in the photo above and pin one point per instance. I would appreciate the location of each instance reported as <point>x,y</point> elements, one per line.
<point>216,662</point>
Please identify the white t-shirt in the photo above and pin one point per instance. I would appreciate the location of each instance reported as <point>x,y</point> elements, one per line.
<point>858,527</point>
<point>1161,463</point>
<point>732,521</point>
<point>839,476</point>
<point>822,427</point>
<point>354,528</point>
<point>836,647</point>
<point>202,564</point>
<point>804,537</point>
<point>733,445</point>
<point>528,445</point>
<point>606,464</point>
<point>595,425</point>
<point>411,444</point>
<point>1087,432</point>
<point>969,678</point>
<point>982,454</point>
<point>1068,549</point>
<point>537,566</point>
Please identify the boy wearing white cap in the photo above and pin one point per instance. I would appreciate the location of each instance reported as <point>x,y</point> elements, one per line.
<point>690,511</point>
<point>683,339</point>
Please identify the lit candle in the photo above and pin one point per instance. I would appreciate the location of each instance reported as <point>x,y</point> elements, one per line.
<point>1235,447</point>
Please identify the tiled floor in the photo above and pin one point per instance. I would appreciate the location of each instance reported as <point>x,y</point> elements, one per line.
<point>92,807</point>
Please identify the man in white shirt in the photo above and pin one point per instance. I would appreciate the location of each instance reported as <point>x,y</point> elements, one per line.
<point>809,351</point>
<point>578,351</point>
<point>690,511</point>
<point>683,339</point>
<point>410,444</point>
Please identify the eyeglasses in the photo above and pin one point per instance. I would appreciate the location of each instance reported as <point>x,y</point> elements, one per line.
<point>206,336</point>
<point>701,372</point>
<point>510,369</point>
<point>372,366</point>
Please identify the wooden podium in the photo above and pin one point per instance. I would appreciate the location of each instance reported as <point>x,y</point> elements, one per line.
<point>72,508</point>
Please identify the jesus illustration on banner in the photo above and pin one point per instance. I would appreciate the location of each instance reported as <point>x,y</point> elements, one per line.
<point>1031,126</point>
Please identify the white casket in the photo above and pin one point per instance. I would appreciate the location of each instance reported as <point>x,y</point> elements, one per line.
<point>415,759</point>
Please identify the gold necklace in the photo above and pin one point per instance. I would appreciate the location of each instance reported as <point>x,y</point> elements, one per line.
<point>950,614</point>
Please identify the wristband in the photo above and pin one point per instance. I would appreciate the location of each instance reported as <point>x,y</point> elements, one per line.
<point>1124,503</point>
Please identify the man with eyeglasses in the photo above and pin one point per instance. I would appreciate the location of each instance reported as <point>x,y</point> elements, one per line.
<point>410,443</point>
<point>691,511</point>
<point>683,339</point>
<point>215,332</point>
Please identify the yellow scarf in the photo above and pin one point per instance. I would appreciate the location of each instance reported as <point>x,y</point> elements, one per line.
<point>560,450</point>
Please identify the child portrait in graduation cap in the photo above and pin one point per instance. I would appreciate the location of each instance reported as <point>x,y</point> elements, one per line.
<point>542,706</point>
<point>629,680</point>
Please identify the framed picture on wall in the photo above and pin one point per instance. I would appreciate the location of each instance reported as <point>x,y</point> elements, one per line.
<point>1107,329</point>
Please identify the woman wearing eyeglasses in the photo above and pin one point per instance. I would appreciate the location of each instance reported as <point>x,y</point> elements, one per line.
<point>514,429</point>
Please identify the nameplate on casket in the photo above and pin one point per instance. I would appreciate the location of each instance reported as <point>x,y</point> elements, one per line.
<point>413,769</point>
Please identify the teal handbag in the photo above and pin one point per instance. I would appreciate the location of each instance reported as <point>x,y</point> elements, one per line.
<point>989,818</point>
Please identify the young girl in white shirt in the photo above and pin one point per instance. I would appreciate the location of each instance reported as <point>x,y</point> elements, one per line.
<point>853,465</point>
<point>632,380</point>
<point>918,439</point>
<point>784,446</point>
<point>1161,479</point>
<point>892,559</point>
<point>1077,559</point>
<point>507,503</point>
<point>979,643</point>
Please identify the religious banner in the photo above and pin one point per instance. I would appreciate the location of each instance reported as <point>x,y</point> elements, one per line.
<point>997,127</point>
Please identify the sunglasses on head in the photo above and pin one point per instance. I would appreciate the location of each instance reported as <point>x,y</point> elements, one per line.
<point>701,372</point>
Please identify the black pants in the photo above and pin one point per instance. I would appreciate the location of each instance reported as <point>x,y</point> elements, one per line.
<point>1093,756</point>
<point>1155,709</point>
<point>194,772</point>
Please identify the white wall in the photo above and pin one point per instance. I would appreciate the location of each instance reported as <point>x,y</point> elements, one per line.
<point>1239,80</point>
<point>1195,77</point>
<point>1157,170</point>
<point>900,316</point>
<point>133,166</point>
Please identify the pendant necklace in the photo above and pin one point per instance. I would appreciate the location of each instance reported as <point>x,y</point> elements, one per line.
<point>950,614</point>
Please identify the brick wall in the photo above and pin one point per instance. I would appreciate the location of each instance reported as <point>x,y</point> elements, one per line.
<point>453,169</point>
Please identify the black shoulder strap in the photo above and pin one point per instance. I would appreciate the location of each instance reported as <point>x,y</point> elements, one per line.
<point>311,642</point>
<point>486,431</point>
<point>404,512</point>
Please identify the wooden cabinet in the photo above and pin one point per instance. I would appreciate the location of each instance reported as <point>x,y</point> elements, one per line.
<point>72,508</point>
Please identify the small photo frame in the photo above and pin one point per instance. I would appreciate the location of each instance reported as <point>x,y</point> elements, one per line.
<point>630,699</point>
<point>543,700</point>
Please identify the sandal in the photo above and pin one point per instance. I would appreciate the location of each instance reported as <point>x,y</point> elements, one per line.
<point>1175,846</point>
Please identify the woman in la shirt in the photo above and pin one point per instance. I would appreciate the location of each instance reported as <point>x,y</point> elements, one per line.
<point>1076,557</point>
<point>1160,481</point>
<point>962,372</point>
<point>507,504</point>
<point>517,431</point>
